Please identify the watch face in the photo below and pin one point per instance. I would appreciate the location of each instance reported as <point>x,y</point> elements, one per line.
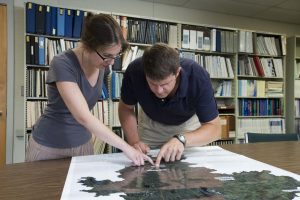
<point>181,138</point>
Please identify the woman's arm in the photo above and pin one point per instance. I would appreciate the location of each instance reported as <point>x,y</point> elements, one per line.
<point>77,105</point>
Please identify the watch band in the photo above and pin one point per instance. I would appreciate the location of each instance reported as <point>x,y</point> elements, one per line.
<point>181,138</point>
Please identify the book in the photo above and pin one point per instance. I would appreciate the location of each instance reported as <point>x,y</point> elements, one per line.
<point>48,20</point>
<point>30,17</point>
<point>200,40</point>
<point>78,19</point>
<point>193,39</point>
<point>61,22</point>
<point>36,50</point>
<point>28,49</point>
<point>41,50</point>
<point>69,16</point>
<point>40,15</point>
<point>53,21</point>
<point>185,39</point>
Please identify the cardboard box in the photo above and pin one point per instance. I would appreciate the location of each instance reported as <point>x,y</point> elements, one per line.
<point>227,125</point>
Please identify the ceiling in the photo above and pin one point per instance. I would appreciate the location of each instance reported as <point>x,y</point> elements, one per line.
<point>286,11</point>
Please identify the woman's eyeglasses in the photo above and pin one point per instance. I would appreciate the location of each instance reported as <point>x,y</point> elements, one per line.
<point>108,58</point>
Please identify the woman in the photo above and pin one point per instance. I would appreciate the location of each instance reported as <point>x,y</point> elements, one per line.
<point>74,85</point>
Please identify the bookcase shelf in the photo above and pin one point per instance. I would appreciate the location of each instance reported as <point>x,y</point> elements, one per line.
<point>260,83</point>
<point>53,37</point>
<point>293,84</point>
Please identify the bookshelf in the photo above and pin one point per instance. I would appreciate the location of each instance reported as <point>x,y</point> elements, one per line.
<point>50,31</point>
<point>260,83</point>
<point>293,84</point>
<point>223,51</point>
<point>140,33</point>
<point>215,49</point>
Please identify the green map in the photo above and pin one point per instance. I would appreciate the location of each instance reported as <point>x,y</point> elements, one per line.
<point>181,180</point>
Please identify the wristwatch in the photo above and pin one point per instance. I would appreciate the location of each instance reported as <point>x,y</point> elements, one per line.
<point>181,138</point>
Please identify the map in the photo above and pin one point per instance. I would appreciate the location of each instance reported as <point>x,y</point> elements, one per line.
<point>203,173</point>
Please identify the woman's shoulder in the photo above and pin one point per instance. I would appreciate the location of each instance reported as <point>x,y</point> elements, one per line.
<point>66,58</point>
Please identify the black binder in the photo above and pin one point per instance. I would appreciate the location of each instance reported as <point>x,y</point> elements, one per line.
<point>40,19</point>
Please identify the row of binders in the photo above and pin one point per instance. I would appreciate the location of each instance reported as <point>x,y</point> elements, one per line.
<point>260,107</point>
<point>209,39</point>
<point>49,20</point>
<point>264,125</point>
<point>146,31</point>
<point>36,84</point>
<point>224,89</point>
<point>260,67</point>
<point>250,42</point>
<point>216,66</point>
<point>260,88</point>
<point>34,109</point>
<point>40,50</point>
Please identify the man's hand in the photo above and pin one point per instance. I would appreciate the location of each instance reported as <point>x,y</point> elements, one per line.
<point>142,147</point>
<point>170,151</point>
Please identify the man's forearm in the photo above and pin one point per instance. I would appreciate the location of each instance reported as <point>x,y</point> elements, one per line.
<point>206,134</point>
<point>129,125</point>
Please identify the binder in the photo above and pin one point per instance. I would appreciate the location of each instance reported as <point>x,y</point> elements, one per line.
<point>213,33</point>
<point>61,22</point>
<point>78,19</point>
<point>30,17</point>
<point>40,19</point>
<point>199,40</point>
<point>53,21</point>
<point>193,39</point>
<point>28,50</point>
<point>117,64</point>
<point>31,41</point>
<point>47,20</point>
<point>219,40</point>
<point>185,39</point>
<point>36,50</point>
<point>41,51</point>
<point>68,22</point>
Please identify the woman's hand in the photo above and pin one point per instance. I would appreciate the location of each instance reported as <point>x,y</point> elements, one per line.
<point>137,157</point>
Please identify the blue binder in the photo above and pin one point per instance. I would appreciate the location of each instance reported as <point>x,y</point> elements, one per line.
<point>218,41</point>
<point>30,17</point>
<point>61,22</point>
<point>113,85</point>
<point>41,51</point>
<point>78,19</point>
<point>69,22</point>
<point>48,20</point>
<point>53,22</point>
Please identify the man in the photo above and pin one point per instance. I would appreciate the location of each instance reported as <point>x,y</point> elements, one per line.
<point>175,95</point>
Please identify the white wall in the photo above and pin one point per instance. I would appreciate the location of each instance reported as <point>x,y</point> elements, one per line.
<point>172,13</point>
<point>128,7</point>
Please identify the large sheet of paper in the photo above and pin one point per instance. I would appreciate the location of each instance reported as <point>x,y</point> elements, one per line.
<point>203,173</point>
